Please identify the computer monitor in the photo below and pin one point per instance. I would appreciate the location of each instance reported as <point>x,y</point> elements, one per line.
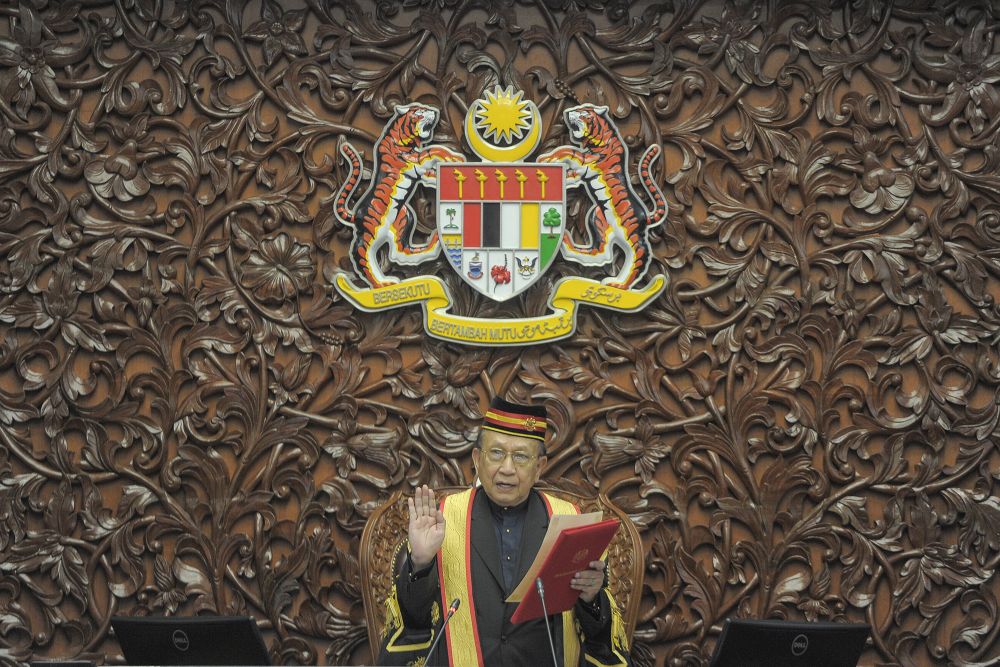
<point>191,640</point>
<point>749,643</point>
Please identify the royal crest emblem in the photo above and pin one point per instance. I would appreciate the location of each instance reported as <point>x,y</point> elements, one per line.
<point>501,221</point>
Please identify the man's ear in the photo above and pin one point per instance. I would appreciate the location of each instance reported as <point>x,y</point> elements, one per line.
<point>542,460</point>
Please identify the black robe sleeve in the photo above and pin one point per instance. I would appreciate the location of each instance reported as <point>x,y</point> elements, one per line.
<point>595,620</point>
<point>418,592</point>
<point>413,612</point>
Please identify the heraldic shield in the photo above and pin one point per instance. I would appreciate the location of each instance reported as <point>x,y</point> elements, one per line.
<point>501,225</point>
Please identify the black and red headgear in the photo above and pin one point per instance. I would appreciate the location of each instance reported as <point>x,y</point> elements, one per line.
<point>526,421</point>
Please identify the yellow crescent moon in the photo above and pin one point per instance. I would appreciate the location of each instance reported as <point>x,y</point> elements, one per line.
<point>513,153</point>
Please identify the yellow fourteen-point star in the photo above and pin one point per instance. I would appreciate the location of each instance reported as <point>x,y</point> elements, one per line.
<point>503,115</point>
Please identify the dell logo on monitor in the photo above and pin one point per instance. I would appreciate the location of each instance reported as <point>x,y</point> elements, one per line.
<point>182,643</point>
<point>799,645</point>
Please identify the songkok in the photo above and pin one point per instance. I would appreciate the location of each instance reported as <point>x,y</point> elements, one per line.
<point>526,421</point>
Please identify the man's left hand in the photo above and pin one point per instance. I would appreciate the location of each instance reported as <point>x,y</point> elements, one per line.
<point>590,581</point>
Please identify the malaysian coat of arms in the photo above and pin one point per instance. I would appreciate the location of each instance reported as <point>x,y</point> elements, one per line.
<point>501,220</point>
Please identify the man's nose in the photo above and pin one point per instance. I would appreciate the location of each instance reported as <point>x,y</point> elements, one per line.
<point>507,466</point>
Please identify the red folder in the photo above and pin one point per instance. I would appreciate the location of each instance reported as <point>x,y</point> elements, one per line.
<point>571,553</point>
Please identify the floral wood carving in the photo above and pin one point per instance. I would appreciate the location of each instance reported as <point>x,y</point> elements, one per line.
<point>804,425</point>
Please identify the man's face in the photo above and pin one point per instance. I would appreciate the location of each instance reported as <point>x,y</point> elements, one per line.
<point>507,481</point>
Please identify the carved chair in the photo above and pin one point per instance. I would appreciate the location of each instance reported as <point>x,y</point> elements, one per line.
<point>385,531</point>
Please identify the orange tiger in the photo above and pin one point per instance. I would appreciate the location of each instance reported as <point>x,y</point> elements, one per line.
<point>382,216</point>
<point>618,217</point>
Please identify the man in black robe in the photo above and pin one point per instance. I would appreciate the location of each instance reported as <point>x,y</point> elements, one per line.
<point>504,522</point>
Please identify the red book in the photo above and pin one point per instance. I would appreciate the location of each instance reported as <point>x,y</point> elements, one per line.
<point>572,552</point>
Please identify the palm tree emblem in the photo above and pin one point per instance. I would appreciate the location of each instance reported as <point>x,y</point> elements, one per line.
<point>451,219</point>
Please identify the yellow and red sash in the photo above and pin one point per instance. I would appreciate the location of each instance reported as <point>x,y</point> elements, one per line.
<point>455,574</point>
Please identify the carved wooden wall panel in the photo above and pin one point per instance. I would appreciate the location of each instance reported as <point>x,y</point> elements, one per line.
<point>804,425</point>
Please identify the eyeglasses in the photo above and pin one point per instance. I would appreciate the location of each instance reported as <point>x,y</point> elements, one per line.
<point>519,459</point>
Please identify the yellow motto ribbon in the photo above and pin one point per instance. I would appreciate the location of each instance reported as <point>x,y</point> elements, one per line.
<point>439,323</point>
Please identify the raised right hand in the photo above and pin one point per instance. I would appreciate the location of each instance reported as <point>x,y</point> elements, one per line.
<point>426,531</point>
